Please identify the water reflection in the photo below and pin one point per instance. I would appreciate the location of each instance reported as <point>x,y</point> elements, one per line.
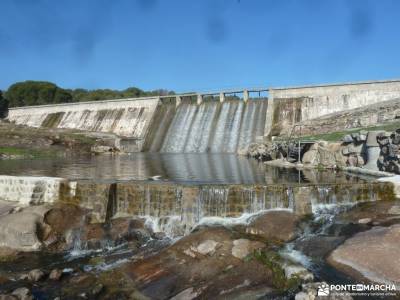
<point>201,168</point>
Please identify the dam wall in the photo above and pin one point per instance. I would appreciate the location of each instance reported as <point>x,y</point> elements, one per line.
<point>218,122</point>
<point>295,104</point>
<point>124,117</point>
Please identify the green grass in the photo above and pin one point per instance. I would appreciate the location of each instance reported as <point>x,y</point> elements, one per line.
<point>338,135</point>
<point>27,153</point>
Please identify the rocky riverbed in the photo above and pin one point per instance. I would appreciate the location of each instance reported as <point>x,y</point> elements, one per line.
<point>59,251</point>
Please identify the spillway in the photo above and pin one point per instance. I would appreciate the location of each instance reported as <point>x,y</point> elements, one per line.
<point>215,127</point>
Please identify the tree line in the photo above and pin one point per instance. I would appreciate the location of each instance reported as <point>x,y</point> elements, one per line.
<point>31,92</point>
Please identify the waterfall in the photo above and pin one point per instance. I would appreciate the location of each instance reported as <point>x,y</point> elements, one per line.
<point>179,130</point>
<point>212,127</point>
<point>203,123</point>
<point>212,201</point>
<point>159,128</point>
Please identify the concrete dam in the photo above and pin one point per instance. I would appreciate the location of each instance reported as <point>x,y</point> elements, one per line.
<point>220,122</point>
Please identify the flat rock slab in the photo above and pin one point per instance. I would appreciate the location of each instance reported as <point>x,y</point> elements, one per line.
<point>373,254</point>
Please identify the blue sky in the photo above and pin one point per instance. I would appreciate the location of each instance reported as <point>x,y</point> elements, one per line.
<point>189,45</point>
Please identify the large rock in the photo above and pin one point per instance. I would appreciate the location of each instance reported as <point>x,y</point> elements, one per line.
<point>373,254</point>
<point>274,225</point>
<point>310,157</point>
<point>326,158</point>
<point>319,155</point>
<point>23,231</point>
<point>355,148</point>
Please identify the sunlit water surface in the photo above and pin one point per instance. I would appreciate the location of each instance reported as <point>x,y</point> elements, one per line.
<point>194,168</point>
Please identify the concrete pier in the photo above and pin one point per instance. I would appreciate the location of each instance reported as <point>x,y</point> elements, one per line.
<point>222,97</point>
<point>245,95</point>
<point>178,100</point>
<point>199,99</point>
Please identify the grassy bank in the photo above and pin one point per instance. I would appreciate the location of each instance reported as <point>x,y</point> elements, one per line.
<point>27,153</point>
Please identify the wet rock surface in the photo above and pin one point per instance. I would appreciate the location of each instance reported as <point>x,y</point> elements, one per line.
<point>371,254</point>
<point>274,225</point>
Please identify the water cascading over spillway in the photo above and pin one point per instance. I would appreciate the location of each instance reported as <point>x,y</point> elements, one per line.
<point>213,127</point>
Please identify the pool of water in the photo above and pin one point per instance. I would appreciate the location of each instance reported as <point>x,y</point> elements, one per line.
<point>194,168</point>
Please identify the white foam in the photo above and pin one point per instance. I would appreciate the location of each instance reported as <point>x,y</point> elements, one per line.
<point>296,256</point>
<point>244,219</point>
<point>106,266</point>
